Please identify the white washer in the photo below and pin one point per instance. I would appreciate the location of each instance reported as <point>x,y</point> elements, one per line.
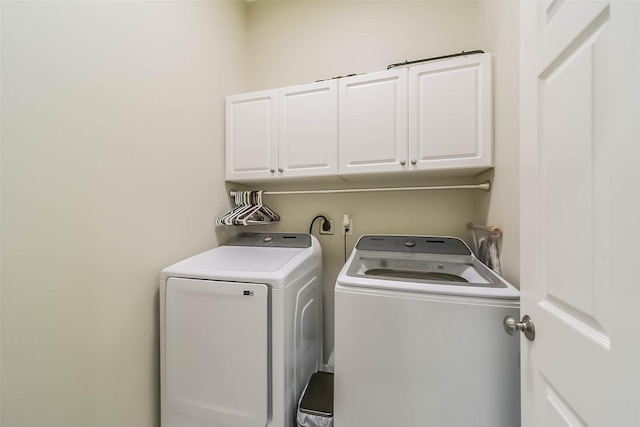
<point>240,332</point>
<point>419,338</point>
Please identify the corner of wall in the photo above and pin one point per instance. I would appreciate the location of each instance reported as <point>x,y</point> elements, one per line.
<point>501,207</point>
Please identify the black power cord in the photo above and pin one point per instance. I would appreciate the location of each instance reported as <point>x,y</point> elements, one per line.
<point>345,246</point>
<point>326,225</point>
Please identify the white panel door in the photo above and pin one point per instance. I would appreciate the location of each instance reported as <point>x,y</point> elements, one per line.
<point>252,135</point>
<point>580,157</point>
<point>373,122</point>
<point>450,113</point>
<point>308,130</point>
<point>216,352</point>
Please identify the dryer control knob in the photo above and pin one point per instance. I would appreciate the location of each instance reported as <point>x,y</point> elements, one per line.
<point>267,239</point>
<point>409,243</point>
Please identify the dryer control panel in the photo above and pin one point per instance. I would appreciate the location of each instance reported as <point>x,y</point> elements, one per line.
<point>272,240</point>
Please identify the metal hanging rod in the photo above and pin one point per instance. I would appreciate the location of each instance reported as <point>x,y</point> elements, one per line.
<point>463,53</point>
<point>485,186</point>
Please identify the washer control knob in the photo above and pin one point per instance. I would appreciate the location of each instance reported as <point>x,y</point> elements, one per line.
<point>409,243</point>
<point>267,239</point>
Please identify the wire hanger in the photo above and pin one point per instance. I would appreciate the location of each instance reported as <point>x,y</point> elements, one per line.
<point>249,209</point>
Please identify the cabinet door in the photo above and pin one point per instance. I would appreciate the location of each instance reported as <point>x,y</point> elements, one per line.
<point>450,114</point>
<point>373,122</point>
<point>308,130</point>
<point>252,135</point>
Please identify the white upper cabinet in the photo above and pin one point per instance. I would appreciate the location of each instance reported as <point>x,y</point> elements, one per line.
<point>252,135</point>
<point>373,122</point>
<point>450,114</point>
<point>308,129</point>
<point>432,117</point>
<point>283,133</point>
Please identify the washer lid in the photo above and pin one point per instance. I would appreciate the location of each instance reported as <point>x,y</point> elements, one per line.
<point>423,264</point>
<point>421,268</point>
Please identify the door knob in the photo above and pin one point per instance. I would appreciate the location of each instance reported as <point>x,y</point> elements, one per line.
<point>511,326</point>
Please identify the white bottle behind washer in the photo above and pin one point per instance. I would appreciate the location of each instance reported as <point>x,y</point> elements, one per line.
<point>240,332</point>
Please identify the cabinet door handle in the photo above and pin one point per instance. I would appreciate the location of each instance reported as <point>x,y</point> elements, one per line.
<point>414,162</point>
<point>280,170</point>
<point>402,162</point>
<point>272,170</point>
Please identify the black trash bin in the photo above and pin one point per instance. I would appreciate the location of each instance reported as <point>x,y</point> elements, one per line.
<point>316,404</point>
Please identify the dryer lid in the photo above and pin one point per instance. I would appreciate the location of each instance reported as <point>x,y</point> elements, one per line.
<point>241,259</point>
<point>244,259</point>
<point>252,261</point>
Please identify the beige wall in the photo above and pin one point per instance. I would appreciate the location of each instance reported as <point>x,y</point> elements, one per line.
<point>298,42</point>
<point>500,23</point>
<point>112,168</point>
<point>293,42</point>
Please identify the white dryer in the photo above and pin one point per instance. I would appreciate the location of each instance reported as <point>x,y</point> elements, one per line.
<point>240,332</point>
<point>419,339</point>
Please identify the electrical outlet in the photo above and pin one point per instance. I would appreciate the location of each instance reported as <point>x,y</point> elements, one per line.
<point>331,229</point>
<point>348,230</point>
